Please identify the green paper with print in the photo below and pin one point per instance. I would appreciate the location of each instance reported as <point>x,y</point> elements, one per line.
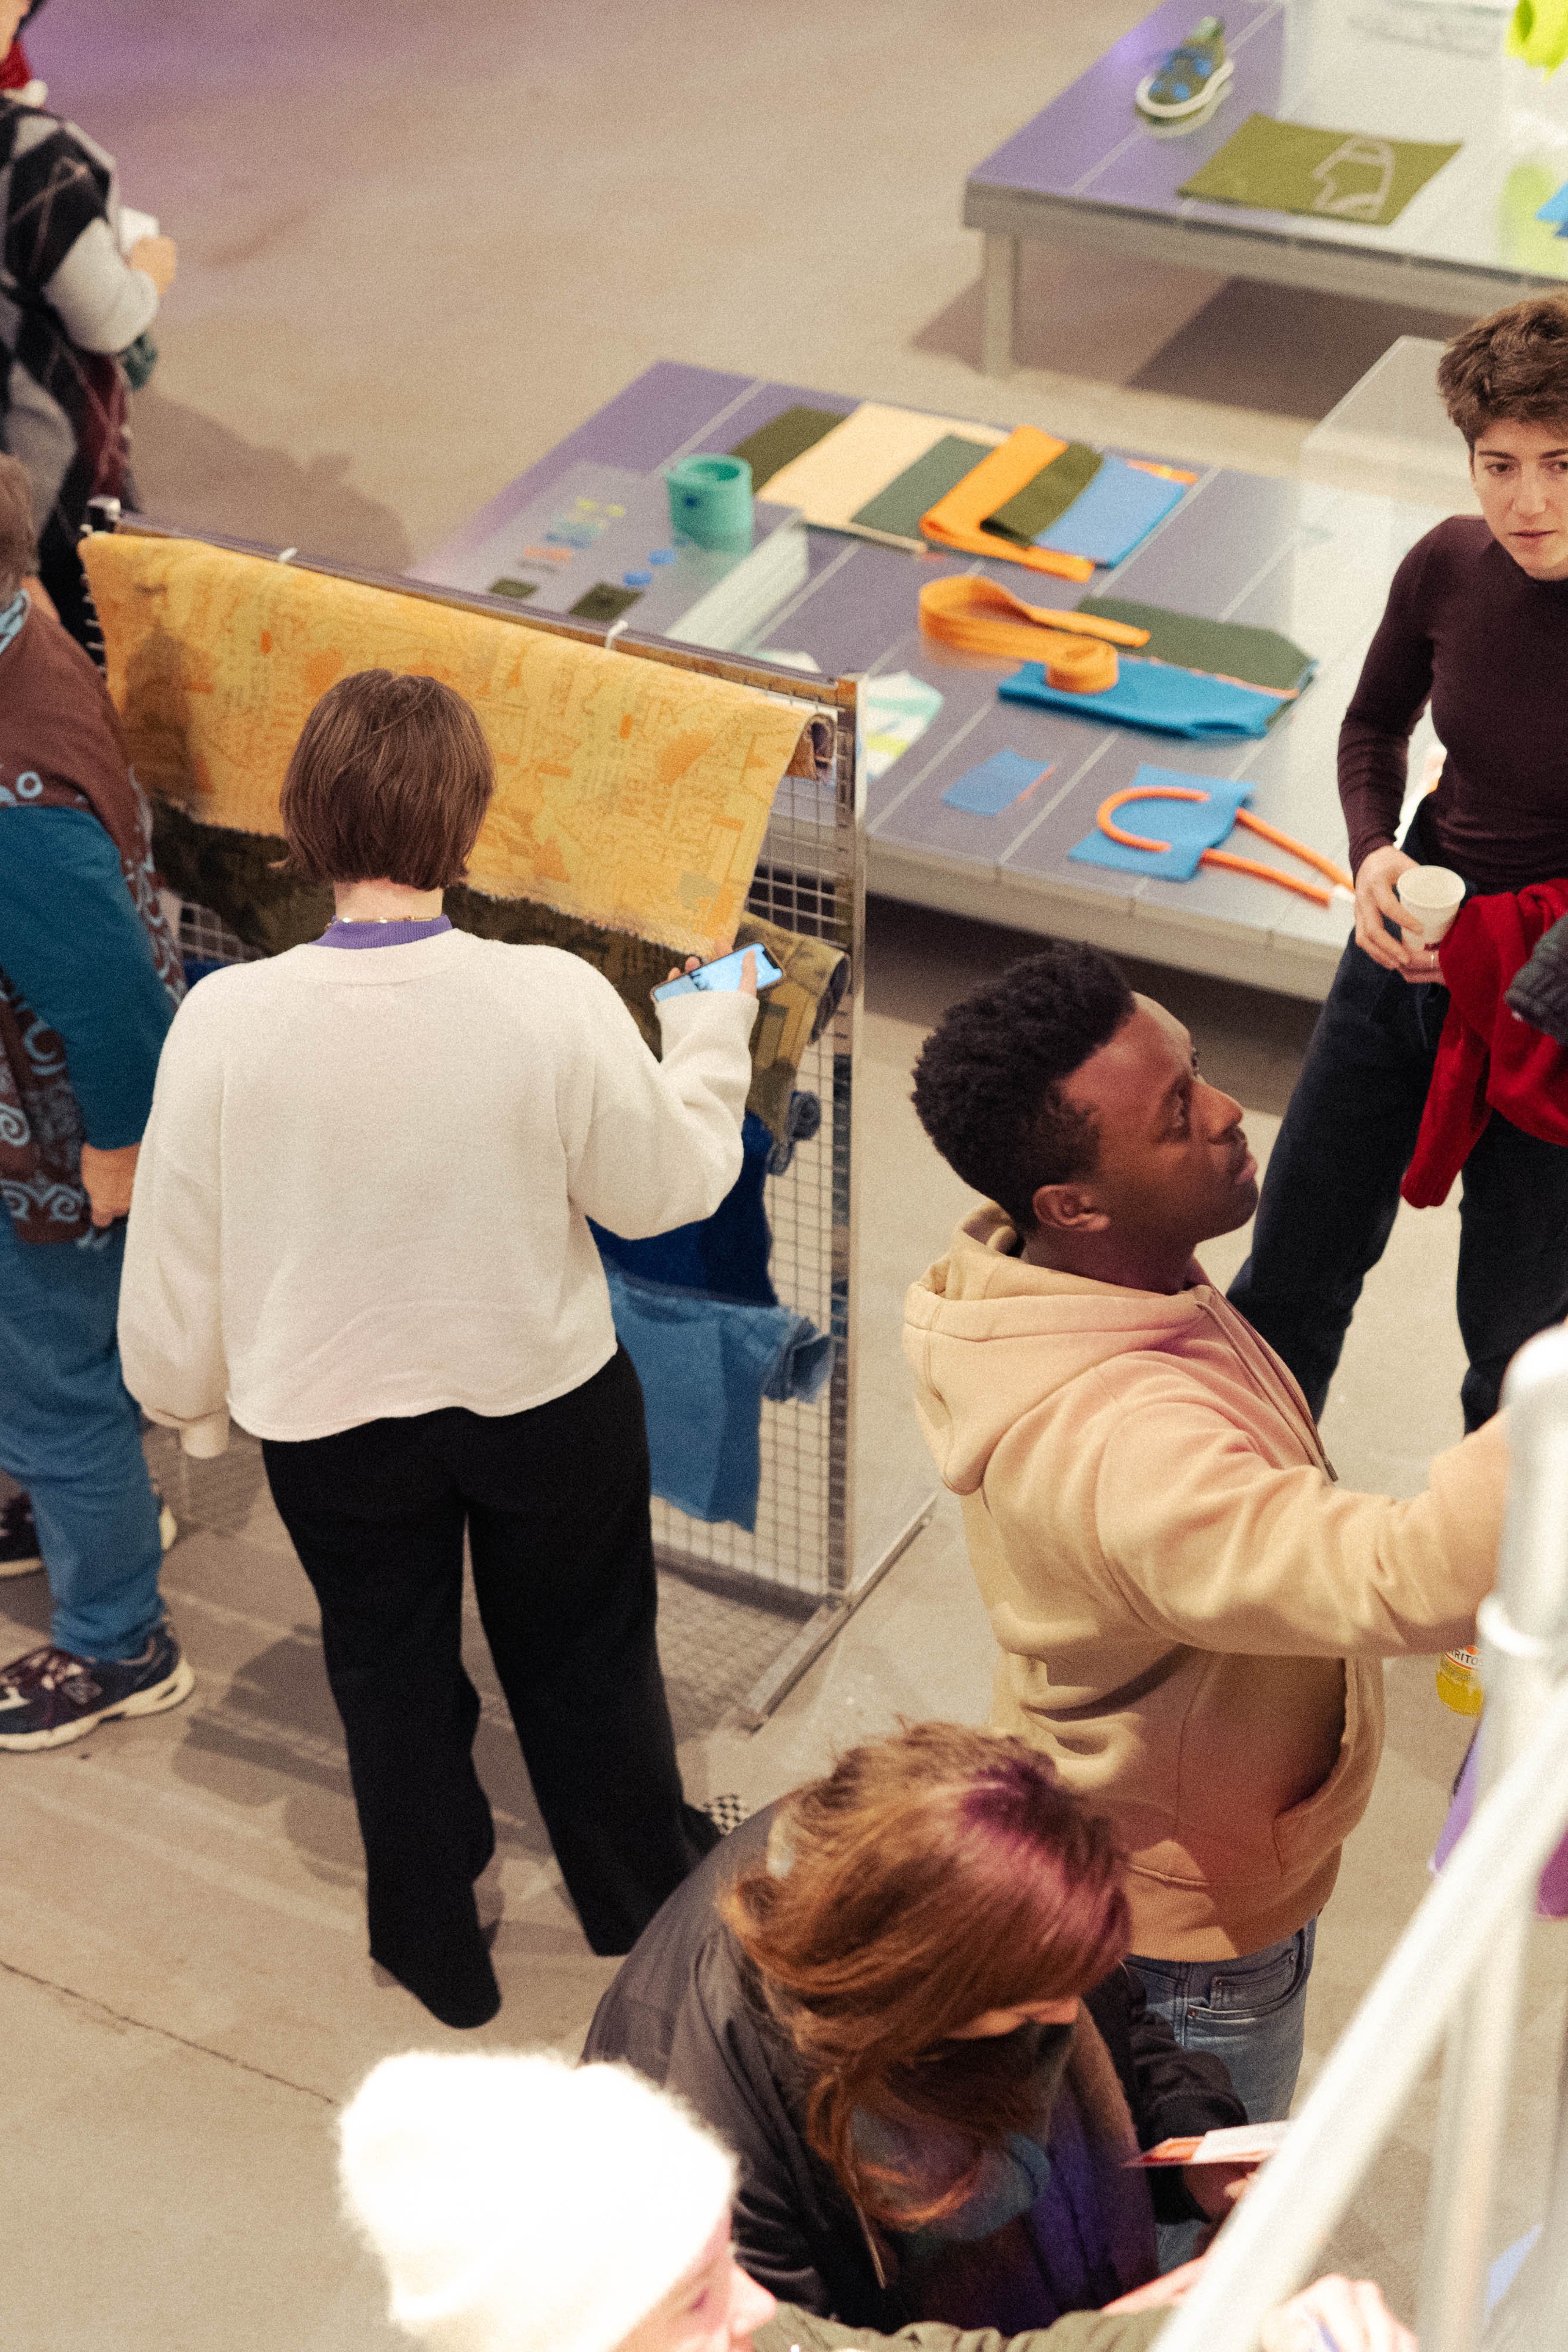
<point>1293,167</point>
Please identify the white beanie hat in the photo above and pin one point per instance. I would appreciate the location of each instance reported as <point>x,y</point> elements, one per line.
<point>521,2204</point>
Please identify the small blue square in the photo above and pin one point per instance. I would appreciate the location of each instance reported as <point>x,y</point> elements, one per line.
<point>996,784</point>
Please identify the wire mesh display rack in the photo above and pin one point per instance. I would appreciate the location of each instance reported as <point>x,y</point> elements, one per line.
<point>800,1557</point>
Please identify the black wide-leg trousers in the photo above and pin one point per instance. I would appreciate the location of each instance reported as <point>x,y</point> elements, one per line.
<point>555,1503</point>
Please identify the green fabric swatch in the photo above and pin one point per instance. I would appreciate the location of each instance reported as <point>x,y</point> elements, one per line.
<point>1293,167</point>
<point>1221,648</point>
<point>898,508</point>
<point>773,446</point>
<point>1046,499</point>
<point>604,602</point>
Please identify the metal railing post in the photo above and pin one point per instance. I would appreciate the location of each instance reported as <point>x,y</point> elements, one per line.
<point>1522,1624</point>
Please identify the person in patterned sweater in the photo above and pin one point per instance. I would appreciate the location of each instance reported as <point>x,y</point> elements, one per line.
<point>89,978</point>
<point>70,304</point>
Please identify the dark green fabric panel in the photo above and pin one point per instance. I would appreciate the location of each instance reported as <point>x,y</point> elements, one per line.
<point>1046,499</point>
<point>773,446</point>
<point>1223,648</point>
<point>898,508</point>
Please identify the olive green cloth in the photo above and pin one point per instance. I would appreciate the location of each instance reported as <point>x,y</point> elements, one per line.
<point>896,510</point>
<point>773,446</point>
<point>1046,499</point>
<point>1293,167</point>
<point>790,2329</point>
<point>235,875</point>
<point>1221,648</point>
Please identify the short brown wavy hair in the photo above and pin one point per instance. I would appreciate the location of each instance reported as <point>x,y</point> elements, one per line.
<point>932,1877</point>
<point>389,781</point>
<point>1512,366</point>
<point>18,542</point>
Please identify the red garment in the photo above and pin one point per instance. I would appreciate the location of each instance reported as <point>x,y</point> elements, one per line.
<point>16,73</point>
<point>1487,1058</point>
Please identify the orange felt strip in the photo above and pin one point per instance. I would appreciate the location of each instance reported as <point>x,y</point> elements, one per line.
<point>981,616</point>
<point>955,521</point>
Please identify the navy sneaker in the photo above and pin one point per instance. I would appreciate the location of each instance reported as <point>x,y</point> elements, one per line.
<point>19,1553</point>
<point>50,1697</point>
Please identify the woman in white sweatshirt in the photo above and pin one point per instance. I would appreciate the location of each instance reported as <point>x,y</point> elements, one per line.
<point>359,1225</point>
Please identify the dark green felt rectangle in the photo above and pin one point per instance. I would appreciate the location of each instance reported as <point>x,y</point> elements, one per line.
<point>1044,500</point>
<point>1221,648</point>
<point>777,445</point>
<point>897,509</point>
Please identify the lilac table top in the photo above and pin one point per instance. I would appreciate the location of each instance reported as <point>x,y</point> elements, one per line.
<point>1381,67</point>
<point>1290,555</point>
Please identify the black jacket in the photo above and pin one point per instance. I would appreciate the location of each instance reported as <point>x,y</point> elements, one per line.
<point>680,2012</point>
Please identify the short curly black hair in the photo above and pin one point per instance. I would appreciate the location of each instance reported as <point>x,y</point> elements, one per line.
<point>987,1084</point>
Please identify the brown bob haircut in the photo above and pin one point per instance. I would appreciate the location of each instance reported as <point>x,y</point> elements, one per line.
<point>932,1877</point>
<point>389,781</point>
<point>1511,367</point>
<point>18,542</point>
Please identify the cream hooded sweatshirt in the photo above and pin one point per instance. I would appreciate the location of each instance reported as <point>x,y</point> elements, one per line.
<point>1191,1613</point>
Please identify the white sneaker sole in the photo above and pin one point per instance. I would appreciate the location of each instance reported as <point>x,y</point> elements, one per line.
<point>1217,80</point>
<point>156,1700</point>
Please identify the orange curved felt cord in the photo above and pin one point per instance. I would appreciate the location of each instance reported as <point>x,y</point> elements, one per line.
<point>1113,832</point>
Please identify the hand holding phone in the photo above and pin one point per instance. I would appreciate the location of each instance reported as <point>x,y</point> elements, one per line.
<point>727,973</point>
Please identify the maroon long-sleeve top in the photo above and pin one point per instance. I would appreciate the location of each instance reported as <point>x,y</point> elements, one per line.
<point>1489,645</point>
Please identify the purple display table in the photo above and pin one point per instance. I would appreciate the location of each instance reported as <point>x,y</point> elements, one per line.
<point>1312,562</point>
<point>1090,171</point>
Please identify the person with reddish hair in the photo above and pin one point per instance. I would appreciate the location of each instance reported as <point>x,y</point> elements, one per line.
<point>899,1996</point>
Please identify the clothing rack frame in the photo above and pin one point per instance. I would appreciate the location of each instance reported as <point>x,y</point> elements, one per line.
<point>811,878</point>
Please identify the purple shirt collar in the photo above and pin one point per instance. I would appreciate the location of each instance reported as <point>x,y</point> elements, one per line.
<point>382,935</point>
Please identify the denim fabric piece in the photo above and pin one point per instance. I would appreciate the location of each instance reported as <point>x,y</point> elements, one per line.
<point>1190,826</point>
<point>705,1365</point>
<point>725,1255</point>
<point>1152,694</point>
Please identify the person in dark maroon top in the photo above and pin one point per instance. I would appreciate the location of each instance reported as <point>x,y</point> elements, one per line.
<point>1477,624</point>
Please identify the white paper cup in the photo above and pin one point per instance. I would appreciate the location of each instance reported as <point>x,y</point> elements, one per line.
<point>1431,895</point>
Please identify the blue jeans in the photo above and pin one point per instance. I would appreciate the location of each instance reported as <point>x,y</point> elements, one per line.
<point>71,1434</point>
<point>1250,2011</point>
<point>1333,1187</point>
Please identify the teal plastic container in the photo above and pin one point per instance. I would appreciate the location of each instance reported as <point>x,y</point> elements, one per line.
<point>710,500</point>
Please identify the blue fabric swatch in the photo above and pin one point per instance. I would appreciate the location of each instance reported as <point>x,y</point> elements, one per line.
<point>725,1255</point>
<point>1155,695</point>
<point>995,784</point>
<point>1120,507</point>
<point>1555,208</point>
<point>705,1365</point>
<point>1190,826</point>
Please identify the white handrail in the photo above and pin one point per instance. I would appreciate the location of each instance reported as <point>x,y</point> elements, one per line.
<point>1266,2251</point>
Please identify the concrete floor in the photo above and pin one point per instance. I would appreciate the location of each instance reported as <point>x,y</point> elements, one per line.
<point>418,246</point>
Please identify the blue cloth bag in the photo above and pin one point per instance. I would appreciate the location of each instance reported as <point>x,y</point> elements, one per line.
<point>1190,826</point>
<point>1158,696</point>
<point>705,1365</point>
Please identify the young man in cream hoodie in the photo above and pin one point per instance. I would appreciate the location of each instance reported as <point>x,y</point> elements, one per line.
<point>1191,1613</point>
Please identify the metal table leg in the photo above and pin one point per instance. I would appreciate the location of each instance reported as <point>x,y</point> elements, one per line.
<point>1002,277</point>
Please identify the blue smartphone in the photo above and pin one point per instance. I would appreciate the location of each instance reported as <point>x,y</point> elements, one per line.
<point>723,974</point>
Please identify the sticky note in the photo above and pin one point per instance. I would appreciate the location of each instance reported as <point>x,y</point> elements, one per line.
<point>996,784</point>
